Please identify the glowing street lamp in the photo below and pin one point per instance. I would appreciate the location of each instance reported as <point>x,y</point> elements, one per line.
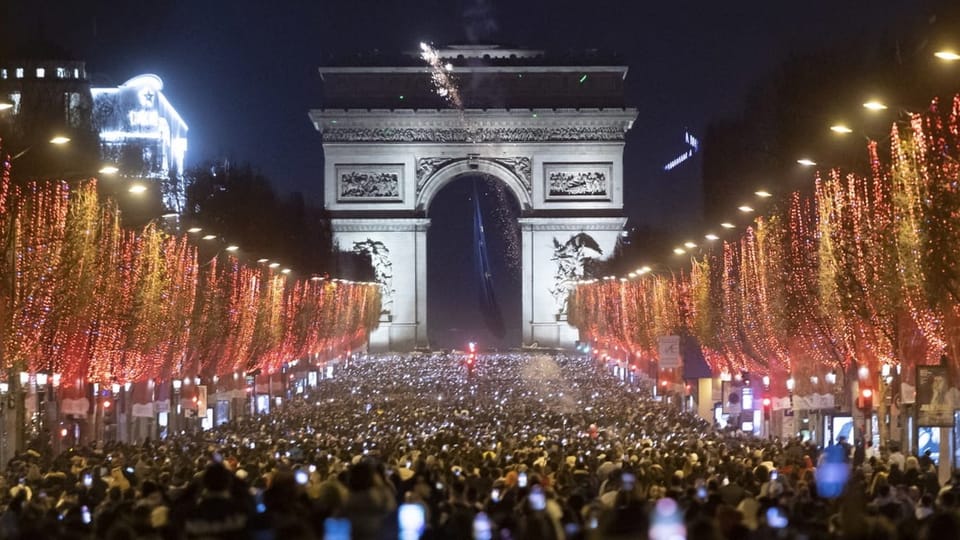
<point>108,169</point>
<point>711,237</point>
<point>232,248</point>
<point>689,245</point>
<point>841,129</point>
<point>874,105</point>
<point>60,139</point>
<point>261,261</point>
<point>286,271</point>
<point>727,225</point>
<point>949,56</point>
<point>210,237</point>
<point>679,251</point>
<point>194,230</point>
<point>745,208</point>
<point>806,162</point>
<point>5,105</point>
<point>763,194</point>
<point>274,265</point>
<point>137,189</point>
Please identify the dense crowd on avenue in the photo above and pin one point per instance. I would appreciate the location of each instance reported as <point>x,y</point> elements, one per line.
<point>524,446</point>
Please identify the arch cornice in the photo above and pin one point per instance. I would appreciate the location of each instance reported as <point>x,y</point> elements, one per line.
<point>472,126</point>
<point>484,166</point>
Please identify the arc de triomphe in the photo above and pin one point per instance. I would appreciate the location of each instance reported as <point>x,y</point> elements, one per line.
<point>551,131</point>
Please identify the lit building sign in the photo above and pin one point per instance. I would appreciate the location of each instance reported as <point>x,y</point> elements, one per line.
<point>694,145</point>
<point>143,135</point>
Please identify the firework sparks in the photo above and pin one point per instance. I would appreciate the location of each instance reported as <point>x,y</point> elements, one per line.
<point>443,82</point>
<point>503,214</point>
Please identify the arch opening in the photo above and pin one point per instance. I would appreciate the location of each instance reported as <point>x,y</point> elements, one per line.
<point>468,300</point>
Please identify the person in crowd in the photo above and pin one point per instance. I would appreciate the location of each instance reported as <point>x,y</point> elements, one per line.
<point>545,446</point>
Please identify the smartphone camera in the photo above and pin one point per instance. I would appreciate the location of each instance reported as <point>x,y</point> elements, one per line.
<point>85,515</point>
<point>301,477</point>
<point>538,500</point>
<point>495,495</point>
<point>412,520</point>
<point>87,480</point>
<point>522,480</point>
<point>776,518</point>
<point>482,527</point>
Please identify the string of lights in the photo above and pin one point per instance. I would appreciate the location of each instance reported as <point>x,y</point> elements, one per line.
<point>859,274</point>
<point>81,297</point>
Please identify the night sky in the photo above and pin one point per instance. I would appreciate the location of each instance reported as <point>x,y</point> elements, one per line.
<point>242,73</point>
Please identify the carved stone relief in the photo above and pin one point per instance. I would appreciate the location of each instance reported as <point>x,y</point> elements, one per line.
<point>577,181</point>
<point>573,259</point>
<point>369,183</point>
<point>382,266</point>
<point>473,135</point>
<point>520,166</point>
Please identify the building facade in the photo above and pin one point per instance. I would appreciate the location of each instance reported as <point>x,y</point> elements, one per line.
<point>551,130</point>
<point>143,135</point>
<point>132,127</point>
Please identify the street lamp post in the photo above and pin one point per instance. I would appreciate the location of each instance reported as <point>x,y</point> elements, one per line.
<point>21,409</point>
<point>41,381</point>
<point>5,406</point>
<point>55,399</point>
<point>175,407</point>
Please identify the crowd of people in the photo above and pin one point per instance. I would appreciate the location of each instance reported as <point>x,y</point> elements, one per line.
<point>513,445</point>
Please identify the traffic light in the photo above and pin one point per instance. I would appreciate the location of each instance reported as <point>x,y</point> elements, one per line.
<point>109,414</point>
<point>767,408</point>
<point>865,402</point>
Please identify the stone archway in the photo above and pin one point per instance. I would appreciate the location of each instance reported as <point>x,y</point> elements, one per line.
<point>383,168</point>
<point>437,172</point>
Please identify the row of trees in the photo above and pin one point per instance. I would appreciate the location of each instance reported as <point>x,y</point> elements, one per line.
<point>84,297</point>
<point>863,272</point>
<point>240,203</point>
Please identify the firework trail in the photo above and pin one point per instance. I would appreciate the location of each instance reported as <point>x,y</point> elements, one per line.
<point>445,85</point>
<point>443,82</point>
